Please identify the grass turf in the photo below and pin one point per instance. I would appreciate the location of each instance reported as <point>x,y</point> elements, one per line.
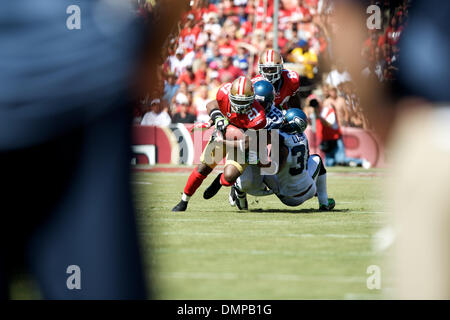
<point>213,251</point>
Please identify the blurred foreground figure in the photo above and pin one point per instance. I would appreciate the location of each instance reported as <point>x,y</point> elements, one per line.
<point>419,193</point>
<point>64,148</point>
<point>412,115</point>
<point>421,159</point>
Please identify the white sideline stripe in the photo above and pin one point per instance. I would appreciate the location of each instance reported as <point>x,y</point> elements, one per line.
<point>261,234</point>
<point>260,252</point>
<point>261,276</point>
<point>141,182</point>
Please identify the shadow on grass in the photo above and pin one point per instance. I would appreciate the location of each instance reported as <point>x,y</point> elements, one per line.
<point>296,211</point>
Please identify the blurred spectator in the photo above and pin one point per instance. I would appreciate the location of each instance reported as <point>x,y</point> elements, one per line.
<point>228,72</point>
<point>179,61</point>
<point>306,57</point>
<point>188,77</point>
<point>212,27</point>
<point>393,31</point>
<point>182,114</point>
<point>374,69</point>
<point>337,76</point>
<point>329,135</point>
<point>200,74</point>
<point>170,87</point>
<point>157,115</point>
<point>339,105</point>
<point>188,36</point>
<point>241,59</point>
<point>356,116</point>
<point>200,101</point>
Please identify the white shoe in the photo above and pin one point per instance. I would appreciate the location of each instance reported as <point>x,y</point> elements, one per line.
<point>352,164</point>
<point>232,196</point>
<point>366,164</point>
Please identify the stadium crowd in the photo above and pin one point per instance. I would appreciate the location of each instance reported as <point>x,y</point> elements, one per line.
<point>218,41</point>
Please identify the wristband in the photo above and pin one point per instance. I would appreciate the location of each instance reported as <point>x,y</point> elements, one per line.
<point>214,114</point>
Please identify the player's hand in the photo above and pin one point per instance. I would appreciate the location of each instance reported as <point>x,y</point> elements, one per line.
<point>221,124</point>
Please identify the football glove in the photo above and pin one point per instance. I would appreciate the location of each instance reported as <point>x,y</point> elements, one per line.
<point>221,123</point>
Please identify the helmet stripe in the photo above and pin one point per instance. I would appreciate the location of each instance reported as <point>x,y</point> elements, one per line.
<point>271,56</point>
<point>241,86</point>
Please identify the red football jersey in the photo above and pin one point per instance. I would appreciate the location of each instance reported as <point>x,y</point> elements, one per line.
<point>255,118</point>
<point>188,37</point>
<point>289,86</point>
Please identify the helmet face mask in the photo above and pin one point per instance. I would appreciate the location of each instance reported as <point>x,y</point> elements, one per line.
<point>270,73</point>
<point>270,65</point>
<point>241,95</point>
<point>241,104</point>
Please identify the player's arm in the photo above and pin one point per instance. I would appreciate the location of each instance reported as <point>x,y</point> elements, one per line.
<point>294,101</point>
<point>294,85</point>
<point>216,117</point>
<point>220,122</point>
<point>210,107</point>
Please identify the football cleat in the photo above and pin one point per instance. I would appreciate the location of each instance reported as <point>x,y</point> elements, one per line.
<point>181,206</point>
<point>241,199</point>
<point>352,164</point>
<point>328,207</point>
<point>212,190</point>
<point>232,197</point>
<point>366,164</point>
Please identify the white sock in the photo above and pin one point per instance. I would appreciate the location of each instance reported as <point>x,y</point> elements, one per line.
<point>185,197</point>
<point>321,184</point>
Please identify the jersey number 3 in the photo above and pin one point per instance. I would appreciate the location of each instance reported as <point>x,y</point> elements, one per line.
<point>298,152</point>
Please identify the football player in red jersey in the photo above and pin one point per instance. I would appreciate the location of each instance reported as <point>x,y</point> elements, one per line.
<point>285,82</point>
<point>235,104</point>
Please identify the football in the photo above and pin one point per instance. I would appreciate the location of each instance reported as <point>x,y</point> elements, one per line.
<point>233,133</point>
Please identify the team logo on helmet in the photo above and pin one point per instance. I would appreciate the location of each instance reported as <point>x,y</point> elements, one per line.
<point>295,121</point>
<point>241,95</point>
<point>299,123</point>
<point>270,65</point>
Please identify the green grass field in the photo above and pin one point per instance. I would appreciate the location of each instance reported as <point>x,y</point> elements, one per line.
<point>214,251</point>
